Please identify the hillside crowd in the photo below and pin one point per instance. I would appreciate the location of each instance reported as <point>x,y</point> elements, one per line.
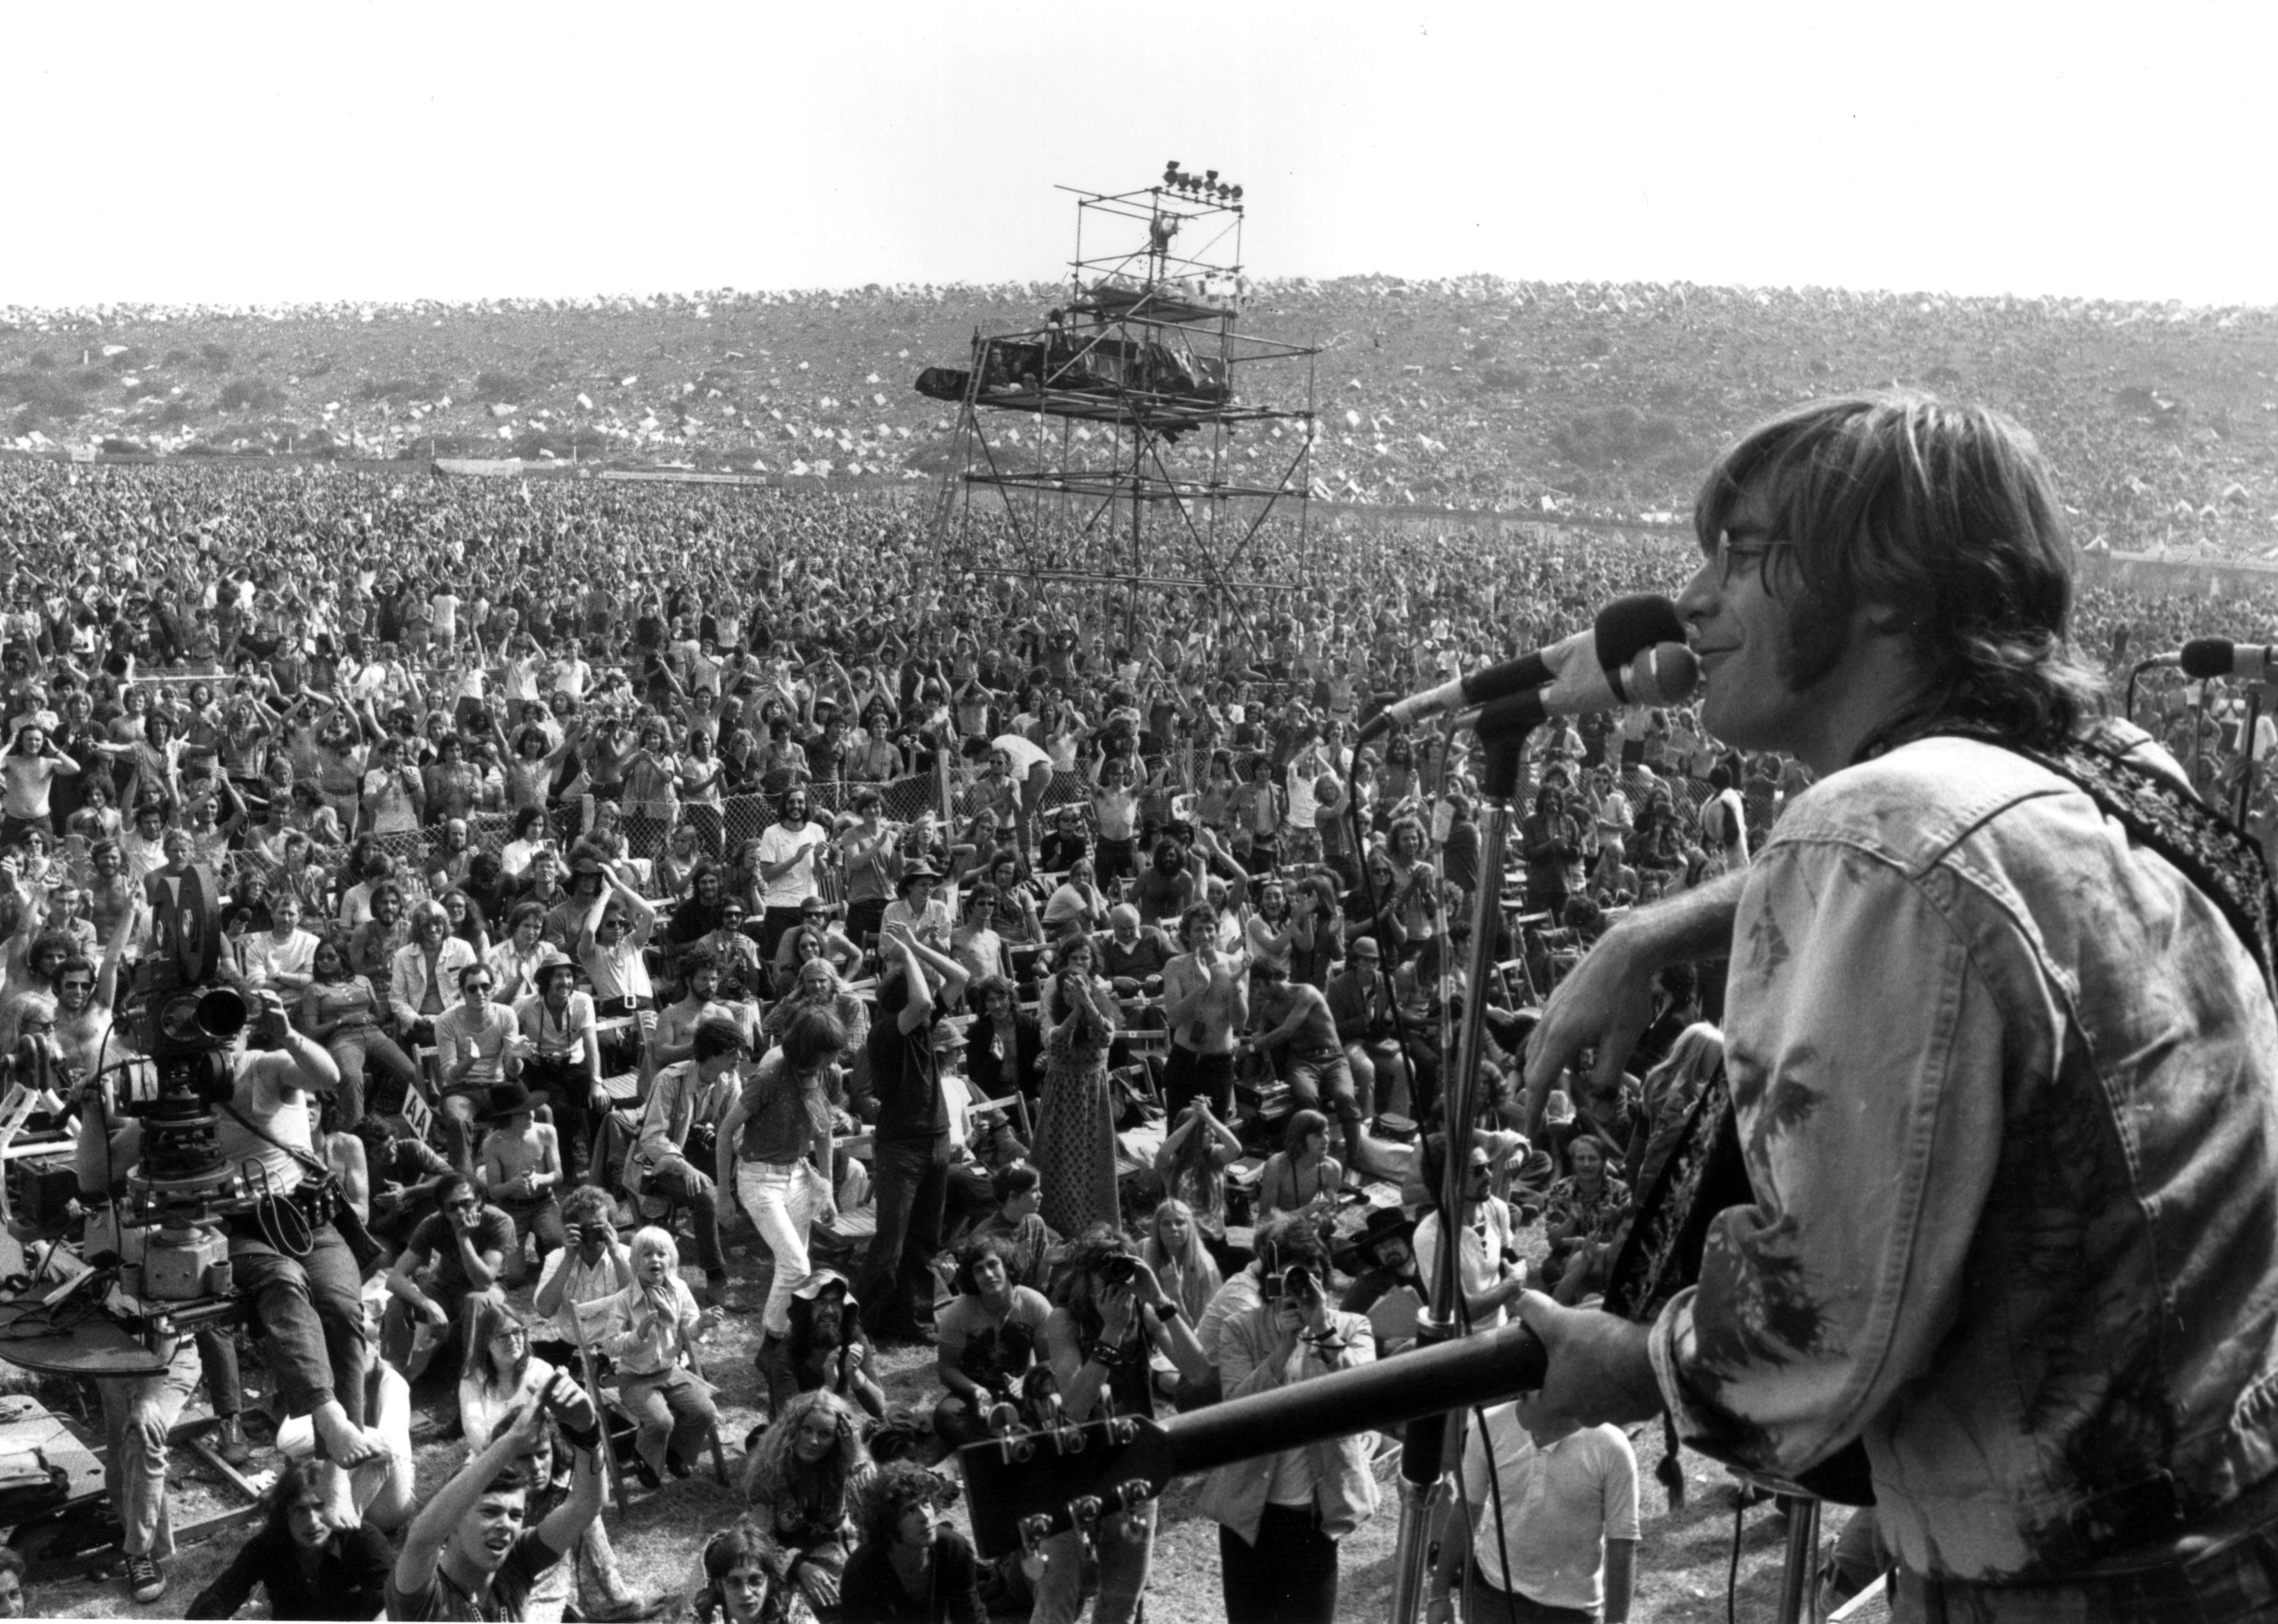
<point>1039,976</point>
<point>1469,392</point>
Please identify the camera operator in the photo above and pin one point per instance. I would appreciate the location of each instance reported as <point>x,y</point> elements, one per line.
<point>296,1271</point>
<point>1281,1515</point>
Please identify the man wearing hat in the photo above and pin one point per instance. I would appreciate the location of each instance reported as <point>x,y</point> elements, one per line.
<point>1360,998</point>
<point>1385,1250</point>
<point>917,908</point>
<point>521,1170</point>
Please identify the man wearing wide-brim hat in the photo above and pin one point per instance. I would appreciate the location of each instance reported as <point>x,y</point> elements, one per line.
<point>919,904</point>
<point>521,1170</point>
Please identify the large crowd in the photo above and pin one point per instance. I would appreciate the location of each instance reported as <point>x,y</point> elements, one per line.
<point>1470,392</point>
<point>1041,976</point>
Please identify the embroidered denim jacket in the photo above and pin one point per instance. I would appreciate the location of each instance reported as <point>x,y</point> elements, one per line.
<point>2009,1090</point>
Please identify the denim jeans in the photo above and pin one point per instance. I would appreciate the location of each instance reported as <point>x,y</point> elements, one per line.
<point>675,1179</point>
<point>138,1412</point>
<point>1126,1546</point>
<point>1289,1576</point>
<point>675,1411</point>
<point>1188,1073</point>
<point>782,1199</point>
<point>309,1314</point>
<point>1325,1082</point>
<point>358,1050</point>
<point>912,1180</point>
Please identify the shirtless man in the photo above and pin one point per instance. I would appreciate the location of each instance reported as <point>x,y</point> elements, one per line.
<point>521,1172</point>
<point>84,997</point>
<point>674,1039</point>
<point>111,893</point>
<point>1299,1033</point>
<point>1205,999</point>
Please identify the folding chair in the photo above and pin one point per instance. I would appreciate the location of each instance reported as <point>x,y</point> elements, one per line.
<point>1014,1104</point>
<point>619,1425</point>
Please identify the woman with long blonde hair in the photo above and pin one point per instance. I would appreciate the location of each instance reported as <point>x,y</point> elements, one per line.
<point>1174,1250</point>
<point>801,1479</point>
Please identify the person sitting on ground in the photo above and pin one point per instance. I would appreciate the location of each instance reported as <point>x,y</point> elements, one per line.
<point>462,1556</point>
<point>987,1340</point>
<point>1192,1161</point>
<point>1018,1225</point>
<point>501,1372</point>
<point>455,1257</point>
<point>1302,1175</point>
<point>800,1483</point>
<point>307,1567</point>
<point>1175,1251</point>
<point>911,1566</point>
<point>825,1348</point>
<point>655,1324</point>
<point>738,1588</point>
<point>1386,1249</point>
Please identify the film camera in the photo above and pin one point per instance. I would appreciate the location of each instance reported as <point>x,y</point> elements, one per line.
<point>166,1232</point>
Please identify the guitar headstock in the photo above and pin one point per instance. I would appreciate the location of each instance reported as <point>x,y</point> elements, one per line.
<point>1026,1484</point>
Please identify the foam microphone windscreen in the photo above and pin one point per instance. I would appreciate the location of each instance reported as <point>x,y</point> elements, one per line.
<point>1627,627</point>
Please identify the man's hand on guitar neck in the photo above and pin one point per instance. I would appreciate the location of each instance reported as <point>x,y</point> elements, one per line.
<point>1599,1366</point>
<point>1606,1001</point>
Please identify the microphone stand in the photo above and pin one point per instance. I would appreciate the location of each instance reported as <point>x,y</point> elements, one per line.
<point>1423,1447</point>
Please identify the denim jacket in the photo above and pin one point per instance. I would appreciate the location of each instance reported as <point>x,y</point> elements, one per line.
<point>1344,1490</point>
<point>2007,1087</point>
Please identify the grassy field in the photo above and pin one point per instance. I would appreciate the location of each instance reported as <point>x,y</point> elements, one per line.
<point>1682,1565</point>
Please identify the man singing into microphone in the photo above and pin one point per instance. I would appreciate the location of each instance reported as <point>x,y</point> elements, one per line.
<point>2001,1047</point>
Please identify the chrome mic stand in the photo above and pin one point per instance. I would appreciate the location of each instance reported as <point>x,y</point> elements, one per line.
<point>1424,1444</point>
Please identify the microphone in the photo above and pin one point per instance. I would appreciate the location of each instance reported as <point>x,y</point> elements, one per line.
<point>1665,674</point>
<point>1624,630</point>
<point>2205,657</point>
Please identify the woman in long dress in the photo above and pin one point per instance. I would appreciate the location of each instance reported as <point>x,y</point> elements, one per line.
<point>1075,1129</point>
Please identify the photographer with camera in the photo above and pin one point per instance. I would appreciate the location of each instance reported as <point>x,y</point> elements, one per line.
<point>1282,1515</point>
<point>1114,1315</point>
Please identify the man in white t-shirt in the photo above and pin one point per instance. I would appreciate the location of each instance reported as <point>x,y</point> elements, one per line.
<point>1492,1280</point>
<point>1548,1517</point>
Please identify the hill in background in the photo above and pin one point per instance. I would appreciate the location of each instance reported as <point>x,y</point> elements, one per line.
<point>1477,393</point>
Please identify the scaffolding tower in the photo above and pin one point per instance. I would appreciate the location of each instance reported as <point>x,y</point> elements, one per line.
<point>1138,437</point>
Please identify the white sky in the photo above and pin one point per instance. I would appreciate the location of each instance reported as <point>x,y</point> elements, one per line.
<point>250,153</point>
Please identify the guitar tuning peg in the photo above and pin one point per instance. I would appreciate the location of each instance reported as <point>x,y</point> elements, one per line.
<point>1084,1511</point>
<point>1034,1532</point>
<point>1132,1495</point>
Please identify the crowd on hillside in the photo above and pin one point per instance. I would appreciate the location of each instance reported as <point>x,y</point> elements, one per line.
<point>638,863</point>
<point>1474,393</point>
